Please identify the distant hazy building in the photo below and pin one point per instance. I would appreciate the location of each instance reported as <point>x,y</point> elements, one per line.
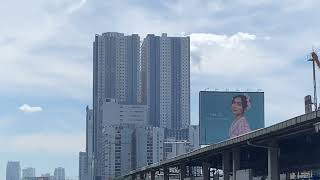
<point>115,75</point>
<point>45,175</point>
<point>89,141</point>
<point>48,176</point>
<point>13,171</point>
<point>165,80</point>
<point>83,166</point>
<point>59,173</point>
<point>148,146</point>
<point>28,172</point>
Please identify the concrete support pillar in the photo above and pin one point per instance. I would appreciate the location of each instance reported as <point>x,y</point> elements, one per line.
<point>273,163</point>
<point>153,175</point>
<point>133,177</point>
<point>183,171</point>
<point>190,171</point>
<point>142,177</point>
<point>166,173</point>
<point>226,165</point>
<point>235,163</point>
<point>206,170</point>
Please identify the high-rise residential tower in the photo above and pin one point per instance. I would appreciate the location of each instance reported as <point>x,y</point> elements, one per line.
<point>115,75</point>
<point>13,171</point>
<point>165,80</point>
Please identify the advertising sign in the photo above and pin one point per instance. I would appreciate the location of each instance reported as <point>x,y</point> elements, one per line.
<point>225,115</point>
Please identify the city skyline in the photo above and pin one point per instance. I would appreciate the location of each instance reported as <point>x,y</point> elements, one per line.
<point>15,172</point>
<point>46,71</point>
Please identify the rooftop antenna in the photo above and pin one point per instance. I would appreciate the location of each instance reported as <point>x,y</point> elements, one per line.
<point>314,59</point>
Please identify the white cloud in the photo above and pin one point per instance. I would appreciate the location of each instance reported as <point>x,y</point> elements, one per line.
<point>225,53</point>
<point>33,143</point>
<point>76,6</point>
<point>26,50</point>
<point>29,109</point>
<point>230,56</point>
<point>224,41</point>
<point>240,61</point>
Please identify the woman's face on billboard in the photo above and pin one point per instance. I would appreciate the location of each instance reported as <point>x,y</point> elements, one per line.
<point>236,106</point>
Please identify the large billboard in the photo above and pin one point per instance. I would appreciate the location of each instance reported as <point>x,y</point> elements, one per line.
<point>225,115</point>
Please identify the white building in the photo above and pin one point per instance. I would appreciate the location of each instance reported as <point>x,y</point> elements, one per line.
<point>148,142</point>
<point>13,171</point>
<point>28,172</point>
<point>119,123</point>
<point>59,173</point>
<point>114,113</point>
<point>117,150</point>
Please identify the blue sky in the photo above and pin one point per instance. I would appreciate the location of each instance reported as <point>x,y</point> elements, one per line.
<point>46,62</point>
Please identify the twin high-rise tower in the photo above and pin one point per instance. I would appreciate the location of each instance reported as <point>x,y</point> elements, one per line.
<point>155,73</point>
<point>165,80</point>
<point>160,78</point>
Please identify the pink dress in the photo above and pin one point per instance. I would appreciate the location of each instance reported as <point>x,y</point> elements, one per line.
<point>239,127</point>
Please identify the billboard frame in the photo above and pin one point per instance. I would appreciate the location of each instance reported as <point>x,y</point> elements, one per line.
<point>243,92</point>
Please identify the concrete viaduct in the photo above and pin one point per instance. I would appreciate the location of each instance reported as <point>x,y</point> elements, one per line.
<point>287,147</point>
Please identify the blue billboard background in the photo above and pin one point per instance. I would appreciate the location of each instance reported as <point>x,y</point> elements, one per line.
<point>219,117</point>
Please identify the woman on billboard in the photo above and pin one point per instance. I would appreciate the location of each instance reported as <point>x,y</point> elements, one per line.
<point>240,104</point>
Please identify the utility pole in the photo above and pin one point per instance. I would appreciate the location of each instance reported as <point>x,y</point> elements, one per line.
<point>314,59</point>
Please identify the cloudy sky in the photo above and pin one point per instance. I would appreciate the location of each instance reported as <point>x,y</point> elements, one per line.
<point>46,62</point>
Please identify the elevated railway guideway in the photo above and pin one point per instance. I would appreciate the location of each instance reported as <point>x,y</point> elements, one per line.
<point>278,151</point>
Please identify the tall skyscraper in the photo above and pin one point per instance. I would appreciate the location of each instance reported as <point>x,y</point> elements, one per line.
<point>83,166</point>
<point>115,75</point>
<point>89,141</point>
<point>59,173</point>
<point>28,172</point>
<point>13,171</point>
<point>165,80</point>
